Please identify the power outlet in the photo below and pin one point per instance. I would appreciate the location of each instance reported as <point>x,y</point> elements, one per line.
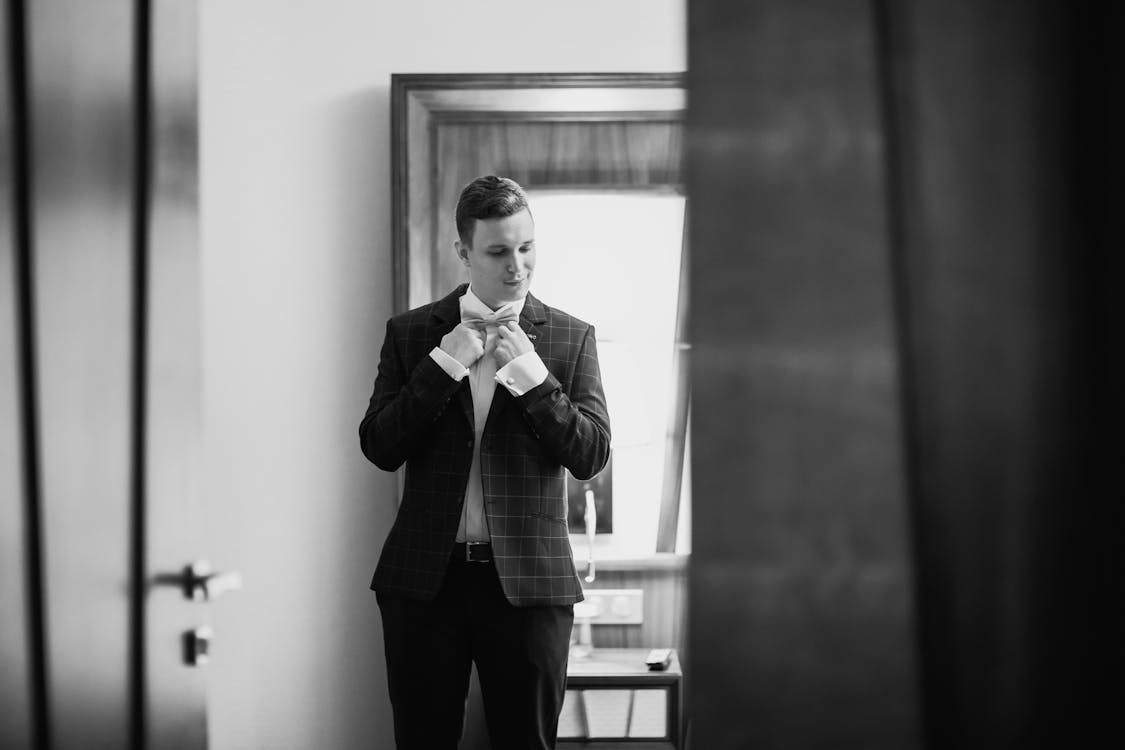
<point>614,606</point>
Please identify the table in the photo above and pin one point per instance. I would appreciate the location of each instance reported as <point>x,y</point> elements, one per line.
<point>614,701</point>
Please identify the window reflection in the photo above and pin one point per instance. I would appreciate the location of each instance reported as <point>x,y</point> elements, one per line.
<point>612,258</point>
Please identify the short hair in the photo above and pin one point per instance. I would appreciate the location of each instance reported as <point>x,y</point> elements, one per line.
<point>488,197</point>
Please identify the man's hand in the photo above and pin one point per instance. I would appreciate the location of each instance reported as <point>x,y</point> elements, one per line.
<point>464,344</point>
<point>511,342</point>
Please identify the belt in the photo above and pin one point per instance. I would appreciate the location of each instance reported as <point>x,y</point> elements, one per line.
<point>472,552</point>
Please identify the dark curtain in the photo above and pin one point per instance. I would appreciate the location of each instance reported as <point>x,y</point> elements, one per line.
<point>963,159</point>
<point>1006,169</point>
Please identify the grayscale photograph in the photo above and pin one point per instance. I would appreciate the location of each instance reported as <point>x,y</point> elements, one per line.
<point>637,374</point>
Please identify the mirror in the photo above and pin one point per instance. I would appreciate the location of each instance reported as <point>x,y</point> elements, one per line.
<point>600,158</point>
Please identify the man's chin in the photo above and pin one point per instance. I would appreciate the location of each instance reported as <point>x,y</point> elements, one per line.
<point>505,296</point>
<point>512,293</point>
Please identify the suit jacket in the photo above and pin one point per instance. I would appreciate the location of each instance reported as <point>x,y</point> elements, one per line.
<point>421,416</point>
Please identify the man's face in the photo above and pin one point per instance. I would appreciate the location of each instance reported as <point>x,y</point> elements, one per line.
<point>501,258</point>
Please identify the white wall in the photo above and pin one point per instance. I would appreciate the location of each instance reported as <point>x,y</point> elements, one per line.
<point>295,180</point>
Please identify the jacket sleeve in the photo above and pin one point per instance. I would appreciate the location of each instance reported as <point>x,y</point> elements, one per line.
<point>573,427</point>
<point>404,405</point>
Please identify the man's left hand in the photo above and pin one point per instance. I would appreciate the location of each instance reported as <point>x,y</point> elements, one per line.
<point>511,342</point>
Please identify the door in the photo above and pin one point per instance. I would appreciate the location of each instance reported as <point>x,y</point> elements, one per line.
<point>176,633</point>
<point>99,333</point>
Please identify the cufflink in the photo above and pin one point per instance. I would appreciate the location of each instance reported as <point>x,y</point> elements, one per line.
<point>510,381</point>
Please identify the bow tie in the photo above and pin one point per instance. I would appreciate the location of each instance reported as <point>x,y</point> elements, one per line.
<point>481,323</point>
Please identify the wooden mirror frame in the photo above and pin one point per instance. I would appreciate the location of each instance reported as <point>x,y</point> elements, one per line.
<point>420,101</point>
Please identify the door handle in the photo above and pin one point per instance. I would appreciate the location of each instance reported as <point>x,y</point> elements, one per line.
<point>200,582</point>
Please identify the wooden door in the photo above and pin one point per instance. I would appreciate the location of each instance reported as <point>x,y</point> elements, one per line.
<point>100,386</point>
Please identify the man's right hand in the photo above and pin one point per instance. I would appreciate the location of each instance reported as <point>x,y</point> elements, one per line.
<point>464,344</point>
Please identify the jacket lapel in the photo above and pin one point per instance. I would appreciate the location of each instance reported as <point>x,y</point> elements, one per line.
<point>532,318</point>
<point>444,317</point>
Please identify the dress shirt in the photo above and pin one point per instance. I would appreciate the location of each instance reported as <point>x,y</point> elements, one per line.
<point>519,376</point>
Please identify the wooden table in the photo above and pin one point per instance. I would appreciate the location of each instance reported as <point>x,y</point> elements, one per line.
<point>613,700</point>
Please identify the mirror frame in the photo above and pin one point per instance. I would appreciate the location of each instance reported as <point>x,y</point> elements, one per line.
<point>420,100</point>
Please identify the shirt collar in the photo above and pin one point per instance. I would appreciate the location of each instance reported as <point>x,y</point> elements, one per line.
<point>472,306</point>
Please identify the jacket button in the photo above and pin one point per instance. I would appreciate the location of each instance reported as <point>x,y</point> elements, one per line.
<point>468,443</point>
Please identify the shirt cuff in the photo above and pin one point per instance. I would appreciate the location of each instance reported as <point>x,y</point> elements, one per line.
<point>522,374</point>
<point>452,367</point>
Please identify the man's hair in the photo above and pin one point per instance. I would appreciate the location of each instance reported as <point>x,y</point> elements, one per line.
<point>488,197</point>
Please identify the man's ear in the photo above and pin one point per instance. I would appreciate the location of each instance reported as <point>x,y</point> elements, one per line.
<point>462,251</point>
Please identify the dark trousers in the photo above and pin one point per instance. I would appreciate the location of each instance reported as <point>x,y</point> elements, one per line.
<point>520,653</point>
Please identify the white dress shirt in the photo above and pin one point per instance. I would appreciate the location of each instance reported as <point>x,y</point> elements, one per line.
<point>519,376</point>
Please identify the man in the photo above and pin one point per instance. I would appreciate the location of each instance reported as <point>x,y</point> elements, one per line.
<point>486,395</point>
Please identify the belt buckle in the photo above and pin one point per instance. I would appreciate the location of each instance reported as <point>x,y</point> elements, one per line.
<point>469,551</point>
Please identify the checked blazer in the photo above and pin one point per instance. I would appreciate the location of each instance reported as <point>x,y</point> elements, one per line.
<point>420,416</point>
